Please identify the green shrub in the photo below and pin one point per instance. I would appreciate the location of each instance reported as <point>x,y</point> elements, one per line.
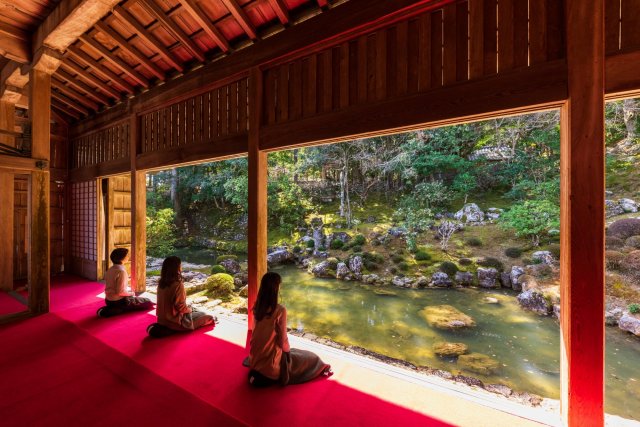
<point>372,260</point>
<point>465,261</point>
<point>356,248</point>
<point>613,259</point>
<point>397,258</point>
<point>473,241</point>
<point>358,239</point>
<point>336,244</point>
<point>161,232</point>
<point>322,249</point>
<point>221,258</point>
<point>393,270</point>
<point>448,267</point>
<point>422,255</point>
<point>218,269</point>
<point>297,249</point>
<point>633,242</point>
<point>513,252</point>
<point>403,266</point>
<point>311,244</point>
<point>613,242</point>
<point>153,273</point>
<point>492,262</point>
<point>220,285</point>
<point>634,308</point>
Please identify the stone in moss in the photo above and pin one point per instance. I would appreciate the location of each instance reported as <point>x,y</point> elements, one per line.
<point>450,349</point>
<point>446,317</point>
<point>478,363</point>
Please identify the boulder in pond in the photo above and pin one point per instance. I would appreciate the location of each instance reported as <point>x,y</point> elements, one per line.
<point>370,279</point>
<point>446,317</point>
<point>628,205</point>
<point>450,349</point>
<point>280,256</point>
<point>470,212</point>
<point>464,278</point>
<point>323,269</point>
<point>505,280</point>
<point>630,323</point>
<point>402,282</point>
<point>488,277</point>
<point>490,300</point>
<point>516,272</point>
<point>356,265</point>
<point>534,300</point>
<point>421,282</point>
<point>612,317</point>
<point>478,363</point>
<point>440,279</point>
<point>342,271</point>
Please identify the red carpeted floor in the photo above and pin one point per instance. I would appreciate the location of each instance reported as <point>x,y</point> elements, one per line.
<point>70,367</point>
<point>9,304</point>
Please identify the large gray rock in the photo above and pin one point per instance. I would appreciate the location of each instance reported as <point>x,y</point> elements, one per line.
<point>612,208</point>
<point>280,256</point>
<point>613,316</point>
<point>371,279</point>
<point>397,231</point>
<point>464,278</point>
<point>470,212</point>
<point>231,265</point>
<point>543,256</point>
<point>323,269</point>
<point>421,282</point>
<point>628,205</point>
<point>505,280</point>
<point>527,282</point>
<point>441,280</point>
<point>488,277</point>
<point>402,282</point>
<point>630,323</point>
<point>342,271</point>
<point>516,272</point>
<point>356,265</point>
<point>534,300</point>
<point>494,213</point>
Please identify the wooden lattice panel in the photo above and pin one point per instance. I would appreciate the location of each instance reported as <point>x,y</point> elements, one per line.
<point>119,217</point>
<point>101,146</point>
<point>83,221</point>
<point>462,41</point>
<point>57,229</point>
<point>199,119</point>
<point>20,227</point>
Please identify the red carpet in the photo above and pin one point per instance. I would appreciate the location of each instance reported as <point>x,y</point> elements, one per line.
<point>85,370</point>
<point>9,304</point>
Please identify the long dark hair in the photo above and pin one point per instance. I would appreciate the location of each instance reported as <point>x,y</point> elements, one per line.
<point>170,272</point>
<point>267,295</point>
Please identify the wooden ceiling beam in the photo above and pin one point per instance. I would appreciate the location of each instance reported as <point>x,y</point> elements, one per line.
<point>142,32</point>
<point>82,86</point>
<point>64,109</point>
<point>15,44</point>
<point>115,60</point>
<point>123,44</point>
<point>88,77</point>
<point>69,102</point>
<point>58,116</point>
<point>281,10</point>
<point>203,20</point>
<point>173,28</point>
<point>243,19</point>
<point>98,68</point>
<point>79,97</point>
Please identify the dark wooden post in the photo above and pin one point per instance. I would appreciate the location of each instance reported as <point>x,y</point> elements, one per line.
<point>6,229</point>
<point>40,114</point>
<point>257,232</point>
<point>582,217</point>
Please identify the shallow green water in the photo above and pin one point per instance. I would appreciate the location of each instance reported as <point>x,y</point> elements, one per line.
<point>526,346</point>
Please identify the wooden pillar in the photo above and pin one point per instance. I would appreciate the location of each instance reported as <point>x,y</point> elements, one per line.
<point>7,122</point>
<point>138,212</point>
<point>40,114</point>
<point>6,229</point>
<point>583,217</point>
<point>257,232</point>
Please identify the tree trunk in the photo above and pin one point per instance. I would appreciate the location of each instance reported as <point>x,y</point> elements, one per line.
<point>629,113</point>
<point>175,197</point>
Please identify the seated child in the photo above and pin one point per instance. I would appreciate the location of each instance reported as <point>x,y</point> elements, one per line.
<point>173,312</point>
<point>117,299</point>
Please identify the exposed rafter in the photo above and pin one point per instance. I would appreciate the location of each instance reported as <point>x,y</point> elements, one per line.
<point>16,43</point>
<point>100,69</point>
<point>173,28</point>
<point>69,102</point>
<point>142,32</point>
<point>90,78</point>
<point>203,20</point>
<point>114,59</point>
<point>243,19</point>
<point>123,44</point>
<point>78,97</point>
<point>82,86</point>
<point>281,10</point>
<point>62,108</point>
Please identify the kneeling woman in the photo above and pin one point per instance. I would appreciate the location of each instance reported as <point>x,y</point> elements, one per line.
<point>171,308</point>
<point>271,359</point>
